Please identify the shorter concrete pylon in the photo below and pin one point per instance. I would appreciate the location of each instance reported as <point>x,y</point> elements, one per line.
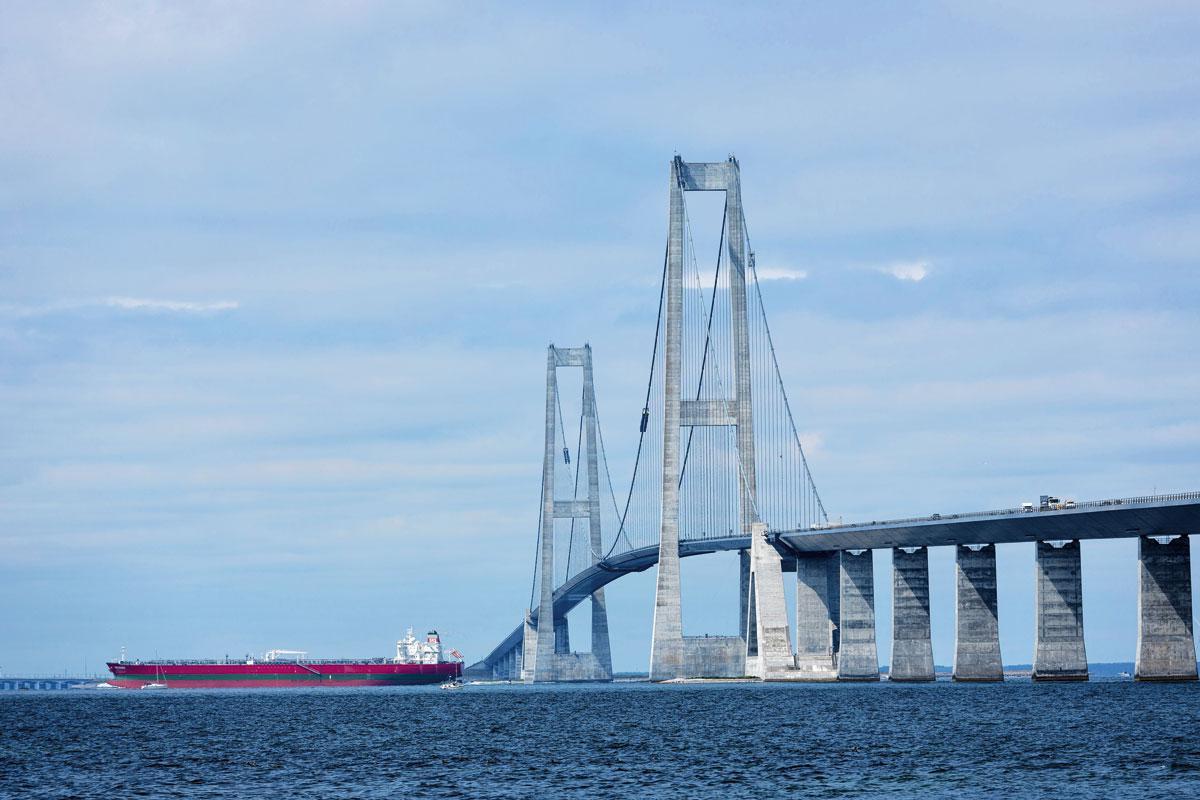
<point>1059,652</point>
<point>858,659</point>
<point>977,628</point>
<point>818,590</point>
<point>912,645</point>
<point>1166,649</point>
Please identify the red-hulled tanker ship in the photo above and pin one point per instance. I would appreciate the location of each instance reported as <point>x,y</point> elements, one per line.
<point>416,662</point>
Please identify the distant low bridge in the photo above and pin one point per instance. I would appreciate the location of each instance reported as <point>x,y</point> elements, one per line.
<point>42,683</point>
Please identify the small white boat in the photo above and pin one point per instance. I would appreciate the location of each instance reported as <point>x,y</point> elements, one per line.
<point>160,682</point>
<point>106,685</point>
<point>456,683</point>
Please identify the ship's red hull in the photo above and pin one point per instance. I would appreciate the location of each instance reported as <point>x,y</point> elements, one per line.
<point>291,675</point>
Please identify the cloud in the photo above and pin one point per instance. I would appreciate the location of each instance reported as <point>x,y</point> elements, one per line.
<point>780,274</point>
<point>705,282</point>
<point>181,306</point>
<point>914,271</point>
<point>122,303</point>
<point>813,443</point>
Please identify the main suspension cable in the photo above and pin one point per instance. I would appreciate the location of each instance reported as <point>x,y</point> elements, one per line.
<point>662,291</point>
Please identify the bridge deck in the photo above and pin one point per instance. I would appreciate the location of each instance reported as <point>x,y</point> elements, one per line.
<point>1098,519</point>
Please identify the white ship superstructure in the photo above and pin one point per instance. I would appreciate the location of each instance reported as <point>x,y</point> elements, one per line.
<point>411,650</point>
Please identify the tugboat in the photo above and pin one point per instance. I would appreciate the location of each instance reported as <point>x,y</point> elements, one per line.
<point>415,662</point>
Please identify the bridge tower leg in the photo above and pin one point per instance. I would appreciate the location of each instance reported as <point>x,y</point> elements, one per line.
<point>543,666</point>
<point>912,647</point>
<point>601,648</point>
<point>977,632</point>
<point>562,636</point>
<point>671,655</point>
<point>1166,650</point>
<point>1059,653</point>
<point>858,659</point>
<point>552,657</point>
<point>666,647</point>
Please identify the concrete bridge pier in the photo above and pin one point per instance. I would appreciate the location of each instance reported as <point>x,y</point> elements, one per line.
<point>977,633</point>
<point>512,667</point>
<point>508,666</point>
<point>818,592</point>
<point>769,655</point>
<point>1059,653</point>
<point>1166,650</point>
<point>858,658</point>
<point>500,668</point>
<point>912,645</point>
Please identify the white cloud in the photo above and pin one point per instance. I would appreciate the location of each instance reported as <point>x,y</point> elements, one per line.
<point>907,270</point>
<point>123,303</point>
<point>780,274</point>
<point>706,283</point>
<point>182,306</point>
<point>813,443</point>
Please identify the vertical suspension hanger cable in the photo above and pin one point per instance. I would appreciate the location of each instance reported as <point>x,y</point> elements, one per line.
<point>608,475</point>
<point>742,474</point>
<point>779,377</point>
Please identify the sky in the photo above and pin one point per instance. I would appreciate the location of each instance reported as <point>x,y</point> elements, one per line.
<point>276,283</point>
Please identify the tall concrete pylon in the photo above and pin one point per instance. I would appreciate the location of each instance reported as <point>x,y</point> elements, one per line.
<point>547,656</point>
<point>671,654</point>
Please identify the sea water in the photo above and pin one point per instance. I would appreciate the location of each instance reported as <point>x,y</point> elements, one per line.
<point>1016,739</point>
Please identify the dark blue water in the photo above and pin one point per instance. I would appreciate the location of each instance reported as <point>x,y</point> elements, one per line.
<point>1017,739</point>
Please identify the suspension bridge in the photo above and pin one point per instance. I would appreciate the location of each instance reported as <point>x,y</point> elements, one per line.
<point>720,466</point>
